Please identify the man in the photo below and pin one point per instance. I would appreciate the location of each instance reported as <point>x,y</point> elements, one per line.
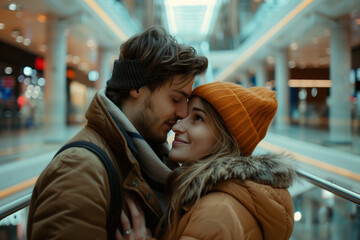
<point>144,98</point>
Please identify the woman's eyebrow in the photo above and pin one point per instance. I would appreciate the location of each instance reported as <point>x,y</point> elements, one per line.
<point>196,109</point>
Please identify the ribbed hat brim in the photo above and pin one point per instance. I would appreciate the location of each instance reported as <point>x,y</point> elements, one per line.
<point>247,113</point>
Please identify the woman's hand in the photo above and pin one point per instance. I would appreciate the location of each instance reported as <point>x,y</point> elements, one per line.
<point>138,231</point>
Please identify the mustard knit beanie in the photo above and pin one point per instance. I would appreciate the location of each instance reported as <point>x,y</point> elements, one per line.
<point>247,112</point>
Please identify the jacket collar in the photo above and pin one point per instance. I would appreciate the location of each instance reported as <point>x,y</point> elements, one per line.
<point>126,136</point>
<point>271,169</point>
<point>264,196</point>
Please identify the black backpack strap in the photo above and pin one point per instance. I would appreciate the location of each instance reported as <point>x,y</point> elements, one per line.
<point>115,189</point>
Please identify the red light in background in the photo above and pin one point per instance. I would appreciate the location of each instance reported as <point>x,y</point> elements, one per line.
<point>21,101</point>
<point>70,74</point>
<point>39,63</point>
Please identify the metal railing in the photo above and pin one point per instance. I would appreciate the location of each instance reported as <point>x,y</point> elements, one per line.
<point>15,206</point>
<point>342,192</point>
<point>331,187</point>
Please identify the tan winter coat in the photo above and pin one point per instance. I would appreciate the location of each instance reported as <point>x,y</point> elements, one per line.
<point>247,199</point>
<point>71,197</point>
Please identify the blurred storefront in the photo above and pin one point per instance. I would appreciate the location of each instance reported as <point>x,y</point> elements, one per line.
<point>21,94</point>
<point>22,90</point>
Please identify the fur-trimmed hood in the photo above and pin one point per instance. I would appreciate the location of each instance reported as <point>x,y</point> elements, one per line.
<point>257,183</point>
<point>275,170</point>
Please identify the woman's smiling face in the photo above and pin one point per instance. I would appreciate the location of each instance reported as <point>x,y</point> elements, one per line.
<point>194,135</point>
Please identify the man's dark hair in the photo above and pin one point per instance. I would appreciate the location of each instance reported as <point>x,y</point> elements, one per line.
<point>151,59</point>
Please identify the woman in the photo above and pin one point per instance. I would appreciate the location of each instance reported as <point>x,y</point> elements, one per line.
<point>221,191</point>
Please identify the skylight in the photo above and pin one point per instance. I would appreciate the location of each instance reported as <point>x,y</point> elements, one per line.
<point>191,19</point>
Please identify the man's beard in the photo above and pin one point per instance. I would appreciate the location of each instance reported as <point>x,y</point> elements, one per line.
<point>145,122</point>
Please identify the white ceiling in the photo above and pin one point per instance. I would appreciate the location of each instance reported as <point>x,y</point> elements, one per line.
<point>84,39</point>
<point>309,30</point>
<point>312,45</point>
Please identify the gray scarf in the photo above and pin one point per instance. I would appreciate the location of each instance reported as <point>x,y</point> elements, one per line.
<point>149,162</point>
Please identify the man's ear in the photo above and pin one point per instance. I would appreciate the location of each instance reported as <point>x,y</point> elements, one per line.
<point>134,93</point>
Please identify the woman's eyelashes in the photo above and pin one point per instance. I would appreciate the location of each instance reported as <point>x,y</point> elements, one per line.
<point>198,118</point>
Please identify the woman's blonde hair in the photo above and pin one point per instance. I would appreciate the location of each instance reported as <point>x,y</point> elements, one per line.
<point>182,178</point>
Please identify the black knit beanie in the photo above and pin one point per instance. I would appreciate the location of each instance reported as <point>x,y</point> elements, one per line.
<point>128,74</point>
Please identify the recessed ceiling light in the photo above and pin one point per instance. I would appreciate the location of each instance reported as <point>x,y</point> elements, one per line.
<point>291,64</point>
<point>27,41</point>
<point>8,70</point>
<point>19,39</point>
<point>41,82</point>
<point>27,71</point>
<point>12,6</point>
<point>93,75</point>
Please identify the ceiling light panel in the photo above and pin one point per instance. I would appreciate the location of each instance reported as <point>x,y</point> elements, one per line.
<point>189,18</point>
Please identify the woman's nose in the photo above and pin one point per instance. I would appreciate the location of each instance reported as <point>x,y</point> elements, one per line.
<point>178,127</point>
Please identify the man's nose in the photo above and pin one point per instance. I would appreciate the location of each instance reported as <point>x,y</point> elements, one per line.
<point>182,110</point>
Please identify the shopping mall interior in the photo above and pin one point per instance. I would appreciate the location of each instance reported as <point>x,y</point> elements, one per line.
<point>56,54</point>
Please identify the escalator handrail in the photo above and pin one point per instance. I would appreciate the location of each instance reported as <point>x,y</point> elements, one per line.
<point>15,206</point>
<point>342,192</point>
<point>331,187</point>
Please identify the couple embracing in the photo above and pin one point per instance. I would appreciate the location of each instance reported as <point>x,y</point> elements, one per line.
<point>208,186</point>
